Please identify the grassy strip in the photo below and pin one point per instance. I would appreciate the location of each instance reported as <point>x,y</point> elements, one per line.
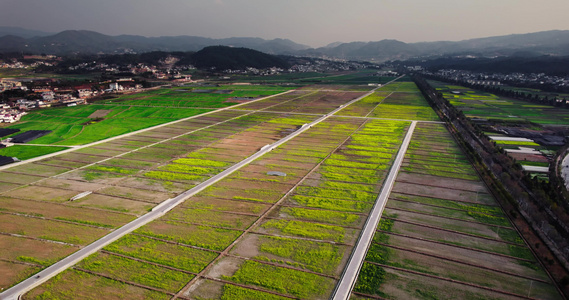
<point>27,152</point>
<point>336,194</point>
<point>200,236</point>
<point>201,162</point>
<point>128,163</point>
<point>297,283</point>
<point>348,186</point>
<point>183,168</point>
<point>326,170</point>
<point>315,256</point>
<point>112,169</point>
<point>372,276</point>
<point>332,217</point>
<point>135,271</point>
<point>171,176</point>
<point>64,286</point>
<point>350,178</point>
<point>163,253</point>
<point>309,230</point>
<point>84,222</point>
<point>516,143</point>
<point>332,204</point>
<point>233,292</point>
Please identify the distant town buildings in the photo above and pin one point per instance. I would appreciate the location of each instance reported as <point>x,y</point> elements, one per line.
<point>498,79</point>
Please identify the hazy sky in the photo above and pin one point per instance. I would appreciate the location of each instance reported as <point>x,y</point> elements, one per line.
<point>311,22</point>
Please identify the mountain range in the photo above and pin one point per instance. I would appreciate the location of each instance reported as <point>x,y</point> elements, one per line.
<point>12,39</point>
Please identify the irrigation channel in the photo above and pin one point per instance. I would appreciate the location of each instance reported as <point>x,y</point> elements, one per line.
<point>16,291</point>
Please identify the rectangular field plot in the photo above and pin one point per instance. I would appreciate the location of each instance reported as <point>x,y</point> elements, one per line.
<point>64,212</point>
<point>211,218</point>
<point>75,234</point>
<point>442,232</point>
<point>319,257</point>
<point>64,286</point>
<point>114,204</point>
<point>18,178</point>
<point>21,257</point>
<point>130,270</point>
<point>226,205</point>
<point>40,193</point>
<point>26,152</point>
<point>283,281</point>
<point>193,235</point>
<point>405,285</point>
<point>37,169</point>
<point>161,252</point>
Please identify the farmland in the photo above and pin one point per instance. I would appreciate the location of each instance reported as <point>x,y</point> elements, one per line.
<point>443,235</point>
<point>512,125</point>
<point>476,104</point>
<point>82,124</point>
<point>284,225</point>
<point>399,100</point>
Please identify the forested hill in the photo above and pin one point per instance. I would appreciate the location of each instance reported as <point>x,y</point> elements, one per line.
<point>224,58</point>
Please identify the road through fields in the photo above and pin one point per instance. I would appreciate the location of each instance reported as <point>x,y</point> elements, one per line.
<point>350,275</point>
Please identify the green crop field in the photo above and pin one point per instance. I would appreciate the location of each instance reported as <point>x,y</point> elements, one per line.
<point>27,152</point>
<point>71,125</point>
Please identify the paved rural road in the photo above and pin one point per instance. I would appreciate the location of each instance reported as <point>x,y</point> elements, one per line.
<point>350,274</point>
<point>16,291</point>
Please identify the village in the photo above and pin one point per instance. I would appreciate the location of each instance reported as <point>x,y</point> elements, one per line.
<point>24,95</point>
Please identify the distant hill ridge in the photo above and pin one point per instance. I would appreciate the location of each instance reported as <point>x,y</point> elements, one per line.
<point>84,41</point>
<point>554,42</point>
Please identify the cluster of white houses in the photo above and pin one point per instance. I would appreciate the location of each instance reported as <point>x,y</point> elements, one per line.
<point>10,115</point>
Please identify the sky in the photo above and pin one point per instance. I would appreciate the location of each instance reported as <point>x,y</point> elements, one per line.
<point>311,22</point>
